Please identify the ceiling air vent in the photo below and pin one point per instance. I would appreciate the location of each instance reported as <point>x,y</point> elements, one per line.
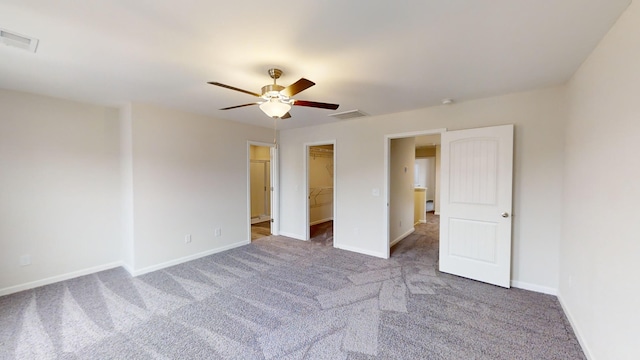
<point>348,114</point>
<point>10,38</point>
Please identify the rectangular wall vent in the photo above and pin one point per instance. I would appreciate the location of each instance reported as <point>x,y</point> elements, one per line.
<point>11,38</point>
<point>348,114</point>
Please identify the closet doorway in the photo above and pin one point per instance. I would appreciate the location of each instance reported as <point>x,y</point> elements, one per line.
<point>260,191</point>
<point>320,166</point>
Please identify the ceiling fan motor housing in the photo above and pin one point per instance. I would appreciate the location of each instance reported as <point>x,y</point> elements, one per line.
<point>272,90</point>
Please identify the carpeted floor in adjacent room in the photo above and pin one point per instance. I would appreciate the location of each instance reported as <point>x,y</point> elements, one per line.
<point>279,298</point>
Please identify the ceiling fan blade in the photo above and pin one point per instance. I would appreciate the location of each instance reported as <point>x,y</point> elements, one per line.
<point>315,104</point>
<point>296,87</point>
<point>239,106</point>
<point>234,88</point>
<point>285,116</point>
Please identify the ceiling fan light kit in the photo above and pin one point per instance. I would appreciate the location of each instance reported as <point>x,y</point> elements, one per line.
<point>275,108</point>
<point>277,98</point>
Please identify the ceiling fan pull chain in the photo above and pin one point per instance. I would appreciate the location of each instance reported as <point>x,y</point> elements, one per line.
<point>275,124</point>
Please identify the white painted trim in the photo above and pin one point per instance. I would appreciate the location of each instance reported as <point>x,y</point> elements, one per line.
<point>534,287</point>
<point>275,197</point>
<point>362,251</point>
<point>320,221</point>
<point>416,133</point>
<point>58,278</point>
<point>293,236</point>
<point>387,178</point>
<point>576,330</point>
<point>185,259</point>
<point>399,238</point>
<point>128,267</point>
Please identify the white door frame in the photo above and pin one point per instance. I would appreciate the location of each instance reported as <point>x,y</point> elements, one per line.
<point>306,184</point>
<point>275,193</point>
<point>387,170</point>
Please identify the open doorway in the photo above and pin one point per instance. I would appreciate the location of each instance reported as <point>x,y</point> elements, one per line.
<point>474,196</point>
<point>412,162</point>
<point>427,169</point>
<point>320,170</point>
<point>260,191</point>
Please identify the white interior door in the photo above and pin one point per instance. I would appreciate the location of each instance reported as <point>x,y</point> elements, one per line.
<point>475,212</point>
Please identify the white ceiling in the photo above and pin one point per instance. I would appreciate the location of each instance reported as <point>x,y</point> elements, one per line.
<point>374,55</point>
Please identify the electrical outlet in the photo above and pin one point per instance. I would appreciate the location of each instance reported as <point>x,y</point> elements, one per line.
<point>25,260</point>
<point>218,232</point>
<point>187,238</point>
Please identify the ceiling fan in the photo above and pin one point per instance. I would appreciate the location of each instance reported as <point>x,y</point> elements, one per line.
<point>276,99</point>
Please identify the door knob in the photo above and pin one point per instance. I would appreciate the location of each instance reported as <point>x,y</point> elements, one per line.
<point>505,214</point>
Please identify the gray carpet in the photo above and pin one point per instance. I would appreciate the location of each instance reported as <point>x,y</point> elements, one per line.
<point>279,298</point>
<point>322,234</point>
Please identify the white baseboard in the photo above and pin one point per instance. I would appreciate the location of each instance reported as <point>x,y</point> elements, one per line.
<point>320,221</point>
<point>576,329</point>
<point>534,287</point>
<point>128,267</point>
<point>181,260</point>
<point>399,238</point>
<point>361,251</point>
<point>58,278</point>
<point>292,235</point>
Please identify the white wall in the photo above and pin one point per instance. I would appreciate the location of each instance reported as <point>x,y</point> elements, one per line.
<point>189,177</point>
<point>60,191</point>
<point>426,176</point>
<point>402,156</point>
<point>539,118</point>
<point>600,248</point>
<point>86,187</point>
